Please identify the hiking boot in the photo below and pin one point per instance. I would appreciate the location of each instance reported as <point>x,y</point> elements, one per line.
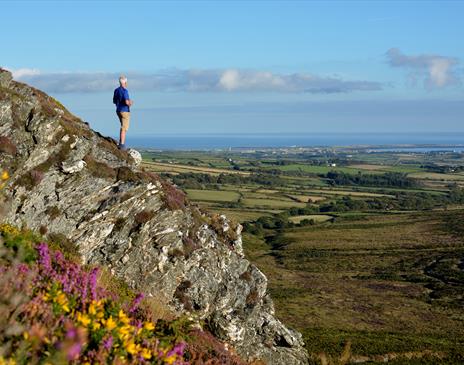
<point>122,147</point>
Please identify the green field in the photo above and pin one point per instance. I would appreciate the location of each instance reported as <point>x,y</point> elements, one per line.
<point>316,217</point>
<point>161,167</point>
<point>345,192</point>
<point>318,169</point>
<point>241,216</point>
<point>271,203</point>
<point>436,176</point>
<point>212,195</point>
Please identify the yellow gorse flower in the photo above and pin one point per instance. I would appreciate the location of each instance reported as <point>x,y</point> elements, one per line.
<point>170,359</point>
<point>92,309</point>
<point>132,348</point>
<point>96,308</point>
<point>149,326</point>
<point>125,332</point>
<point>6,228</point>
<point>62,300</point>
<point>123,317</point>
<point>83,319</point>
<point>4,361</point>
<point>146,354</point>
<point>3,177</point>
<point>109,323</point>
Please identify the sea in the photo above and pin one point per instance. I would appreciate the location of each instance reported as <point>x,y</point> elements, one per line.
<point>413,142</point>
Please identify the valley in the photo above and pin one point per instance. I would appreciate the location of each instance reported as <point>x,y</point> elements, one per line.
<point>363,250</point>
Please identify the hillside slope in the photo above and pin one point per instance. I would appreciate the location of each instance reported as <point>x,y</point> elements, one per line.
<point>78,185</point>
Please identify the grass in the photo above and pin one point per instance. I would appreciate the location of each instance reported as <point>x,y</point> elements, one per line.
<point>367,280</point>
<point>369,167</point>
<point>436,176</point>
<point>306,198</point>
<point>315,169</point>
<point>239,215</point>
<point>251,194</point>
<point>346,192</point>
<point>212,195</point>
<point>388,168</point>
<point>99,169</point>
<point>158,166</point>
<point>389,191</point>
<point>315,217</point>
<point>271,203</point>
<point>407,348</point>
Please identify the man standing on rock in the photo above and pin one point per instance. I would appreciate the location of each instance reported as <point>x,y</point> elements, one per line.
<point>123,103</point>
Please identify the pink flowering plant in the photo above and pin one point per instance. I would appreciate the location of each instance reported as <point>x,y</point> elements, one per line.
<point>53,310</point>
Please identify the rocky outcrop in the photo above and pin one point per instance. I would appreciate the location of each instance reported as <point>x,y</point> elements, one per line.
<point>76,183</point>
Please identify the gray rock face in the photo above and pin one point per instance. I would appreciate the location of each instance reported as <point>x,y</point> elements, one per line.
<point>76,182</point>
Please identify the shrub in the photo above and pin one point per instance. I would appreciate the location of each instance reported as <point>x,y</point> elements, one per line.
<point>173,197</point>
<point>205,346</point>
<point>55,311</point>
<point>21,243</point>
<point>126,174</point>
<point>110,145</point>
<point>126,196</point>
<point>119,223</point>
<point>7,146</point>
<point>252,298</point>
<point>217,223</point>
<point>148,176</point>
<point>307,222</point>
<point>144,216</point>
<point>246,275</point>
<point>181,294</point>
<point>176,253</point>
<point>74,126</point>
<point>99,169</point>
<point>43,230</point>
<point>61,242</point>
<point>53,212</point>
<point>189,246</point>
<point>30,179</point>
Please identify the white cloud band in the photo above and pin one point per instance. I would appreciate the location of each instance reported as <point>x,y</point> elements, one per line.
<point>176,80</point>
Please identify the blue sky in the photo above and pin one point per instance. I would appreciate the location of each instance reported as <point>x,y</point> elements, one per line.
<point>244,66</point>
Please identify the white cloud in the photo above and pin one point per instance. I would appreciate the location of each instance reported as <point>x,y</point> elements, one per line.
<point>439,70</point>
<point>229,80</point>
<point>24,72</point>
<point>196,80</point>
<point>436,71</point>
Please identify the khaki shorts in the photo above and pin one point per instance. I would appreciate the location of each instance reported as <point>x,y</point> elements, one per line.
<point>124,118</point>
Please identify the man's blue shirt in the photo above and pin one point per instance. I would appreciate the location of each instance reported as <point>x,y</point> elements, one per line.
<point>119,98</point>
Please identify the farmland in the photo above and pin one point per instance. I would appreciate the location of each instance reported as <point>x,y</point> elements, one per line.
<point>361,249</point>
